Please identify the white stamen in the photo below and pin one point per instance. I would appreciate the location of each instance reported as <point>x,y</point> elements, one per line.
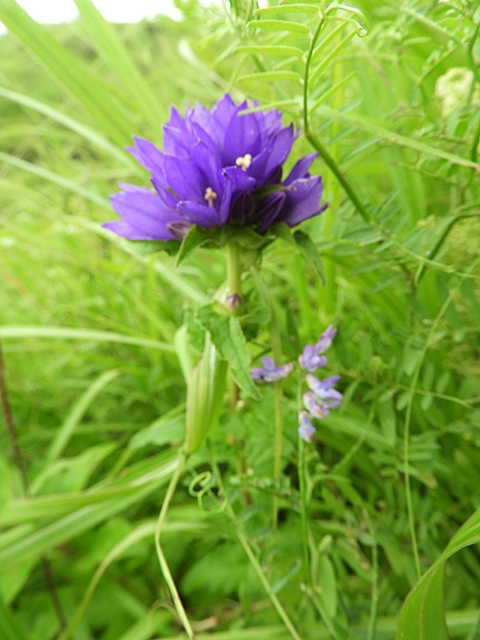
<point>244,161</point>
<point>210,196</point>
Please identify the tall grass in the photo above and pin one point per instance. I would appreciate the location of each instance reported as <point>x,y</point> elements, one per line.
<point>388,94</point>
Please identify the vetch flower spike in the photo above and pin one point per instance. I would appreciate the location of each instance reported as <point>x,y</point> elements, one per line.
<point>311,360</point>
<point>322,396</point>
<point>220,167</point>
<point>306,430</point>
<point>269,372</point>
<point>326,339</point>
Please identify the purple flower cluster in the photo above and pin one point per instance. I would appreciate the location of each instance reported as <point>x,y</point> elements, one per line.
<point>219,167</point>
<point>321,397</point>
<point>269,372</point>
<point>311,360</point>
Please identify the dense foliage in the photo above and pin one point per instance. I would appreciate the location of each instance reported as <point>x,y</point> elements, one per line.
<point>93,332</point>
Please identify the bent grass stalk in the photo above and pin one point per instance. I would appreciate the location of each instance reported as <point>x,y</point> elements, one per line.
<point>182,458</point>
<point>249,551</point>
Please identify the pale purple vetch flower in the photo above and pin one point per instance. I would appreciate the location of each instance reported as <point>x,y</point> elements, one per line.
<point>306,430</point>
<point>219,167</point>
<point>270,372</point>
<point>322,396</point>
<point>326,339</point>
<point>311,360</point>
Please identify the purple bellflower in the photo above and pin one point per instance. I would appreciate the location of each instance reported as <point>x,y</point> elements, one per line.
<point>311,360</point>
<point>306,430</point>
<point>218,168</point>
<point>269,372</point>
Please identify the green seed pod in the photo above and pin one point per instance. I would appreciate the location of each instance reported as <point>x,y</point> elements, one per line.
<point>206,386</point>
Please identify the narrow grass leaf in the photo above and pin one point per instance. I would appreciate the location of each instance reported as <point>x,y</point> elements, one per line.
<point>269,50</point>
<point>96,138</point>
<point>120,61</point>
<point>80,82</point>
<point>290,8</point>
<point>77,412</point>
<point>10,625</point>
<point>62,333</point>
<point>395,138</point>
<point>269,76</point>
<point>278,25</point>
<point>45,174</point>
<point>35,543</point>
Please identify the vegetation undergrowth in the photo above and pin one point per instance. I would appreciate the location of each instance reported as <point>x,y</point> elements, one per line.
<point>308,540</point>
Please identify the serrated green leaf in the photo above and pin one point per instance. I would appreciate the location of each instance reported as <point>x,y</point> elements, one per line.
<point>228,337</point>
<point>278,25</point>
<point>196,237</point>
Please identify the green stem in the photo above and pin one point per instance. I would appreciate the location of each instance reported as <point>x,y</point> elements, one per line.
<point>182,458</point>
<point>276,344</point>
<point>304,508</point>
<point>248,550</point>
<point>234,269</point>
<point>316,144</point>
<point>277,460</point>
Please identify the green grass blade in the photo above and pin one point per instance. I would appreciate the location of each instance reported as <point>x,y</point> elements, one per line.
<point>395,138</point>
<point>269,50</point>
<point>63,333</point>
<point>82,84</point>
<point>9,625</point>
<point>78,410</point>
<point>45,174</point>
<point>35,543</point>
<point>270,76</point>
<point>279,25</point>
<point>111,48</point>
<point>87,133</point>
<point>422,616</point>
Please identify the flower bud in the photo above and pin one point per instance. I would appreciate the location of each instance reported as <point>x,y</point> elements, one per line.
<point>206,385</point>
